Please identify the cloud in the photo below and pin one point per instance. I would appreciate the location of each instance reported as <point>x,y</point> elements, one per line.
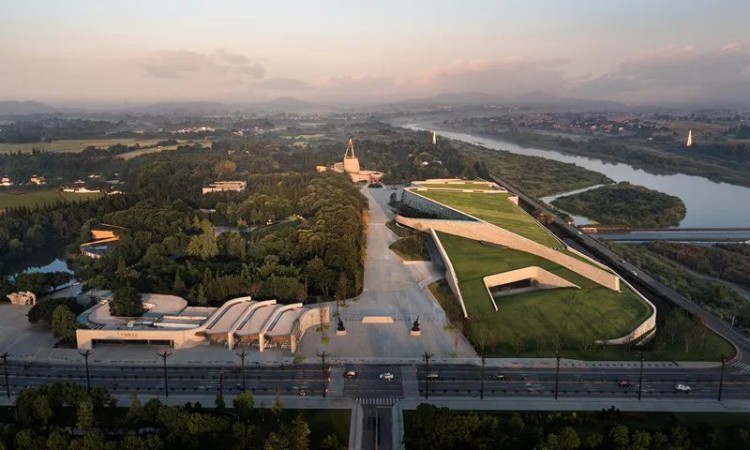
<point>497,76</point>
<point>283,84</point>
<point>673,72</point>
<point>185,63</point>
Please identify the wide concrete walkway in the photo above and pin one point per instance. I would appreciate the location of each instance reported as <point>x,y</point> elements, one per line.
<point>391,289</point>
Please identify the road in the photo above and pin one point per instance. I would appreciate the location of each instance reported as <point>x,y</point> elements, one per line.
<point>677,235</point>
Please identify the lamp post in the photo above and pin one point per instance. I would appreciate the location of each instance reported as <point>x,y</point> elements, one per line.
<point>640,378</point>
<point>481,385</point>
<point>557,376</point>
<point>323,355</point>
<point>86,355</point>
<point>4,356</point>
<point>721,379</point>
<point>164,355</point>
<point>426,356</point>
<point>242,355</point>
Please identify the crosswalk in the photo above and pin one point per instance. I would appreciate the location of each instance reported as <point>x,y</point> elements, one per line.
<point>744,368</point>
<point>386,401</point>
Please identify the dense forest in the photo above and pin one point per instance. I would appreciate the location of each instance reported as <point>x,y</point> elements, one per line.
<point>432,428</point>
<point>65,416</point>
<point>716,261</point>
<point>624,203</point>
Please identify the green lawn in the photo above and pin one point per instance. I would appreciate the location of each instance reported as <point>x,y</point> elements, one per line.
<point>73,145</point>
<point>36,199</point>
<point>537,324</point>
<point>466,185</point>
<point>411,248</point>
<point>497,210</point>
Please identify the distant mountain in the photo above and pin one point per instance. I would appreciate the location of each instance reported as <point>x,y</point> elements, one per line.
<point>280,105</point>
<point>12,108</point>
<point>542,98</point>
<point>289,105</point>
<point>451,99</point>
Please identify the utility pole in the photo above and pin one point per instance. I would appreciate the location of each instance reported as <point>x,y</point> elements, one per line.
<point>426,356</point>
<point>640,378</point>
<point>481,385</point>
<point>557,375</point>
<point>721,379</point>
<point>221,383</point>
<point>164,355</point>
<point>86,355</point>
<point>242,355</point>
<point>4,356</point>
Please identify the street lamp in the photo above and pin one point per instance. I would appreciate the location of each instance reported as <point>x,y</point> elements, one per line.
<point>164,355</point>
<point>557,375</point>
<point>426,356</point>
<point>481,385</point>
<point>86,355</point>
<point>242,355</point>
<point>640,378</point>
<point>4,356</point>
<point>721,379</point>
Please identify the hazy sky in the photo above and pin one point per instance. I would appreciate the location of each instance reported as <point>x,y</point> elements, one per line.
<point>372,51</point>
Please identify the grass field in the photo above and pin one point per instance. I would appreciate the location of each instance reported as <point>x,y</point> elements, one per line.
<point>466,185</point>
<point>36,199</point>
<point>145,151</point>
<point>77,145</point>
<point>538,324</point>
<point>411,248</point>
<point>497,210</point>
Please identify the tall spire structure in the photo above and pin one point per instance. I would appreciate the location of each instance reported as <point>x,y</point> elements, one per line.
<point>349,149</point>
<point>690,138</point>
<point>434,138</point>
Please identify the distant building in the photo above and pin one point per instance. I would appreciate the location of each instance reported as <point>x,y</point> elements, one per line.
<point>80,190</point>
<point>221,186</point>
<point>35,179</point>
<point>22,298</point>
<point>104,240</point>
<point>350,166</point>
<point>6,181</point>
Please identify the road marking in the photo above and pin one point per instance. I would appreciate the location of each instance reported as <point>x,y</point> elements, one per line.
<point>744,368</point>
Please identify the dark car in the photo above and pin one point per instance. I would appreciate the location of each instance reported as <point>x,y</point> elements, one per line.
<point>625,383</point>
<point>499,377</point>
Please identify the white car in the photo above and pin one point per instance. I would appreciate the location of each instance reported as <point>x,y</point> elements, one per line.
<point>682,388</point>
<point>387,376</point>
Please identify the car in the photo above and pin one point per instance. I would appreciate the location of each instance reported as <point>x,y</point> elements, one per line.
<point>680,387</point>
<point>625,383</point>
<point>499,377</point>
<point>387,376</point>
<point>350,374</point>
<point>432,376</point>
<point>302,392</point>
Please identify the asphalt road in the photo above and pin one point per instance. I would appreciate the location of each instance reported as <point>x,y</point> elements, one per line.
<point>369,390</point>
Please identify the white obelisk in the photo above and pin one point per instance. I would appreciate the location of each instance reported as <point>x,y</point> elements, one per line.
<point>690,138</point>
<point>434,138</point>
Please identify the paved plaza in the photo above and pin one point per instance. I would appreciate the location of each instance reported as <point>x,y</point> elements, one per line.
<point>393,289</point>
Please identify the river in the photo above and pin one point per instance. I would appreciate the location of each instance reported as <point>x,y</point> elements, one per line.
<point>709,204</point>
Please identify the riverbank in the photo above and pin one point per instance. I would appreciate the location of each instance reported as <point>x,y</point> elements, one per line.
<point>709,204</point>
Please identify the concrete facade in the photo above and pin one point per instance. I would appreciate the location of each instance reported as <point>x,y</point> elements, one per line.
<point>221,186</point>
<point>168,320</point>
<point>22,298</point>
<point>350,166</point>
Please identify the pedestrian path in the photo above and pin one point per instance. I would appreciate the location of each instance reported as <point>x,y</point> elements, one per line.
<point>379,401</point>
<point>744,368</point>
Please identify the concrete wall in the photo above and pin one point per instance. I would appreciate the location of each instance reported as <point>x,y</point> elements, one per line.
<point>181,338</point>
<point>308,319</point>
<point>450,273</point>
<point>483,231</point>
<point>646,327</point>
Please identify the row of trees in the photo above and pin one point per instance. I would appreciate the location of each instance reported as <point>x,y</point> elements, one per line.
<point>432,428</point>
<point>65,416</point>
<point>713,261</point>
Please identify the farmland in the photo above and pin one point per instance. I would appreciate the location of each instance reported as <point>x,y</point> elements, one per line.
<point>36,199</point>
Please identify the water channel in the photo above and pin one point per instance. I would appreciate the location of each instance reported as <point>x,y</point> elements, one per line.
<point>709,204</point>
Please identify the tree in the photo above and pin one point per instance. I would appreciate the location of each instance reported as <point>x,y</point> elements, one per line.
<point>178,286</point>
<point>568,439</point>
<point>342,288</point>
<point>243,405</point>
<point>224,169</point>
<point>203,245</point>
<point>85,416</point>
<point>332,442</point>
<point>219,402</point>
<point>619,436</point>
<point>127,302</point>
<point>64,324</point>
<point>299,434</point>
